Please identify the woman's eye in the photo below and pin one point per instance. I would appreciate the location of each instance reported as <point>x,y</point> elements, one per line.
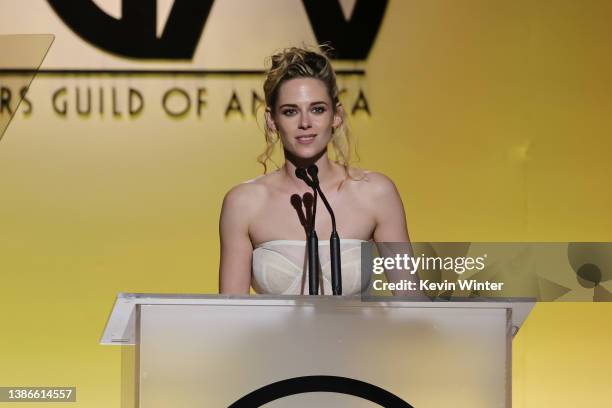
<point>318,109</point>
<point>289,112</point>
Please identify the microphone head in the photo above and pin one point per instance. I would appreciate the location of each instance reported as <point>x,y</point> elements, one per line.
<point>313,171</point>
<point>301,174</point>
<point>296,201</point>
<point>308,200</point>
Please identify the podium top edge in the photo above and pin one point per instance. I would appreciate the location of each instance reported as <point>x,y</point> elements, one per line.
<point>170,298</point>
<point>120,326</point>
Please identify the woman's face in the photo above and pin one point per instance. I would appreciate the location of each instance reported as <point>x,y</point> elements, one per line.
<point>304,117</point>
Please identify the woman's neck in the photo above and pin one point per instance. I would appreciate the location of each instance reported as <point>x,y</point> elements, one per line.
<point>327,169</point>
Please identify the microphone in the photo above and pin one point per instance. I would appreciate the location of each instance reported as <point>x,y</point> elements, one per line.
<point>301,174</point>
<point>334,240</point>
<point>313,240</point>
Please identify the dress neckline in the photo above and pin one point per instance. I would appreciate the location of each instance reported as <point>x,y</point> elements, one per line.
<point>303,242</point>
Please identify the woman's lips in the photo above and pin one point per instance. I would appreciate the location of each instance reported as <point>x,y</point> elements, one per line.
<point>306,139</point>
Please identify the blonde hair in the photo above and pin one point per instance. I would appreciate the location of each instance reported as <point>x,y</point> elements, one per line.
<point>304,62</point>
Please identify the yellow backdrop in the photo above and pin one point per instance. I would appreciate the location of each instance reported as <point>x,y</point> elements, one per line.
<point>492,117</point>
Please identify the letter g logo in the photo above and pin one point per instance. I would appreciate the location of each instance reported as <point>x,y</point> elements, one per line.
<point>134,35</point>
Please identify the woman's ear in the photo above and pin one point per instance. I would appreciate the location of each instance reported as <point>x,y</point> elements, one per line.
<point>270,121</point>
<point>338,116</point>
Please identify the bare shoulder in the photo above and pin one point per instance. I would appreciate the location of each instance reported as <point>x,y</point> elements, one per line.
<point>385,204</point>
<point>374,184</point>
<point>245,196</point>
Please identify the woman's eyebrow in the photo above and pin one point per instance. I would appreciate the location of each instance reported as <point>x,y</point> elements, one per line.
<point>293,105</point>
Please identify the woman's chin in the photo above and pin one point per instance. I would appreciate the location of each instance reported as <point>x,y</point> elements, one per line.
<point>307,152</point>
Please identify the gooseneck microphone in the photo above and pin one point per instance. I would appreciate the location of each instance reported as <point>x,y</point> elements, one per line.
<point>313,240</point>
<point>334,240</point>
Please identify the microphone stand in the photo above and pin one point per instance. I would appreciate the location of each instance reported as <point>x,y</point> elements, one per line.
<point>334,240</point>
<point>313,240</point>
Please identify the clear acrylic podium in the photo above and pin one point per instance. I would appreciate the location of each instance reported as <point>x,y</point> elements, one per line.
<point>215,351</point>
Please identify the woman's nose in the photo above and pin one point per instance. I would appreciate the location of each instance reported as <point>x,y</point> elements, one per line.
<point>305,121</point>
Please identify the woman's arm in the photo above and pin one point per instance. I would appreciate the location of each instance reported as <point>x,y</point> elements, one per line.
<point>390,218</point>
<point>388,210</point>
<point>236,247</point>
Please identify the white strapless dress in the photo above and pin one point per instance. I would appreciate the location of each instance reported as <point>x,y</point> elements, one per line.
<point>281,267</point>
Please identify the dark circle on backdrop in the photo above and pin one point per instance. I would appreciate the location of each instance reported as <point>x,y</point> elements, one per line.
<point>588,275</point>
<point>595,253</point>
<point>320,383</point>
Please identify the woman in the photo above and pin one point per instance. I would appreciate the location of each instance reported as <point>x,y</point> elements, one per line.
<point>262,228</point>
